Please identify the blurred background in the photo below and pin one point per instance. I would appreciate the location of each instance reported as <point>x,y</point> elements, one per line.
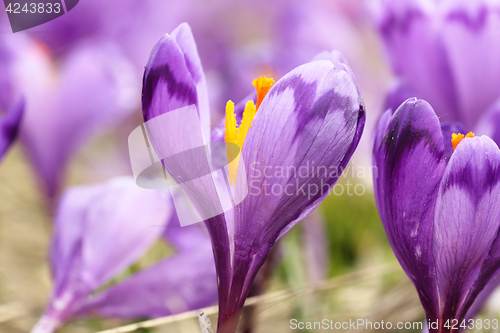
<point>81,77</point>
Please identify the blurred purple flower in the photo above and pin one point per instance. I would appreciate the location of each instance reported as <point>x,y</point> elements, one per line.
<point>101,230</point>
<point>92,88</point>
<point>265,37</point>
<point>183,282</point>
<point>440,214</point>
<point>489,123</point>
<point>95,90</point>
<point>9,126</point>
<point>130,25</point>
<point>313,109</point>
<point>445,52</point>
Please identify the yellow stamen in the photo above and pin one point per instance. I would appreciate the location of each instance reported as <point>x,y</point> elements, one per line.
<point>237,133</point>
<point>456,138</point>
<point>262,84</point>
<point>246,122</point>
<point>231,126</point>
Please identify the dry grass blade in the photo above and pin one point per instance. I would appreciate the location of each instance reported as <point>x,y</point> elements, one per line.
<point>270,298</point>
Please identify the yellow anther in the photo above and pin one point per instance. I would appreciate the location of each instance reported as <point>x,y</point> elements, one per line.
<point>231,134</point>
<point>246,122</point>
<point>237,133</point>
<point>457,137</point>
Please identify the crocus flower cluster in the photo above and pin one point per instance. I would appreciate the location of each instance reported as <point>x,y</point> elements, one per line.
<point>311,116</point>
<point>436,184</point>
<point>437,195</point>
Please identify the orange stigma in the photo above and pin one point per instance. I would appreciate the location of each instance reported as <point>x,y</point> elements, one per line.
<point>456,138</point>
<point>262,84</point>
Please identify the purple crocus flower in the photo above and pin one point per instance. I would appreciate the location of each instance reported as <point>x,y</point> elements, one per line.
<point>445,52</point>
<point>9,126</point>
<point>313,116</point>
<point>439,211</point>
<point>101,230</point>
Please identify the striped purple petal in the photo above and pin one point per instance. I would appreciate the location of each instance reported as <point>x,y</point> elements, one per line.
<point>312,110</point>
<point>409,157</point>
<point>466,224</point>
<point>174,78</point>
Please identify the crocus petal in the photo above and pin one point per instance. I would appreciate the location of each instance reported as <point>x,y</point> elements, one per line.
<point>183,282</point>
<point>312,117</point>
<point>173,81</point>
<point>409,158</point>
<point>9,126</point>
<point>174,78</point>
<point>185,40</point>
<point>470,35</point>
<point>467,222</point>
<point>99,231</point>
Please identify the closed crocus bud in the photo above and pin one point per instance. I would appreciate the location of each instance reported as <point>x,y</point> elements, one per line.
<point>437,194</point>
